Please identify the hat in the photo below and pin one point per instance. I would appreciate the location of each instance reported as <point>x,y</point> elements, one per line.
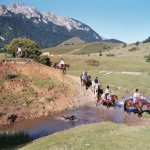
<point>108,86</point>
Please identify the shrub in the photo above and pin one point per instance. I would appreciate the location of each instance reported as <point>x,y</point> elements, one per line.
<point>8,75</point>
<point>92,62</point>
<point>147,40</point>
<point>137,43</point>
<point>44,60</point>
<point>133,49</point>
<point>112,55</point>
<point>124,45</point>
<point>100,53</point>
<point>147,58</point>
<point>13,138</point>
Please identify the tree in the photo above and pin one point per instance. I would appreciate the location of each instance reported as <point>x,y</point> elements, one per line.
<point>100,53</point>
<point>124,45</point>
<point>30,47</point>
<point>137,43</point>
<point>147,40</point>
<point>27,45</point>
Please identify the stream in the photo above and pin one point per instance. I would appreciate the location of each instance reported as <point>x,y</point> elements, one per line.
<point>44,126</point>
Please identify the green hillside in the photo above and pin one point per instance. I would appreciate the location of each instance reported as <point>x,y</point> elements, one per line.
<point>88,48</point>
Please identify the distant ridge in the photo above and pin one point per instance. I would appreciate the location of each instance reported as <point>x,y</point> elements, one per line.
<point>113,41</point>
<point>73,41</point>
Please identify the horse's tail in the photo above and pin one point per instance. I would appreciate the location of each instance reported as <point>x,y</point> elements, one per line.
<point>125,106</point>
<point>54,65</point>
<point>148,104</point>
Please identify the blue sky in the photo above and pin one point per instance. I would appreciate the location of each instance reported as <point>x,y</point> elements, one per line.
<point>125,20</point>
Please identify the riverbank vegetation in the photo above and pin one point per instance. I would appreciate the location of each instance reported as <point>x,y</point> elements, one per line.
<point>11,139</point>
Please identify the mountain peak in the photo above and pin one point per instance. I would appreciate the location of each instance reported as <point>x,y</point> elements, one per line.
<point>15,5</point>
<point>19,8</point>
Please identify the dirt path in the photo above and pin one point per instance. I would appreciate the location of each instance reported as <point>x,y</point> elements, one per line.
<point>76,50</point>
<point>83,96</point>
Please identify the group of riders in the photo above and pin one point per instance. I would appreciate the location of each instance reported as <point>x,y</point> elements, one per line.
<point>106,96</point>
<point>107,92</point>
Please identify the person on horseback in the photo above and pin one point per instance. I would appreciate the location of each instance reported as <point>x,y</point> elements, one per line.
<point>96,82</point>
<point>107,93</point>
<point>61,63</point>
<point>84,75</point>
<point>19,50</point>
<point>136,96</point>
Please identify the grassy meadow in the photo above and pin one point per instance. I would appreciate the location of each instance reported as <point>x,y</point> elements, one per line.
<point>121,84</point>
<point>96,136</point>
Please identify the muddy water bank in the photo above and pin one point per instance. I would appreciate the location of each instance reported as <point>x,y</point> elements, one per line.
<point>40,127</point>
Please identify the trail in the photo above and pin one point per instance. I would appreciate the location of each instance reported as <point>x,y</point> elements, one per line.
<point>76,50</point>
<point>83,96</point>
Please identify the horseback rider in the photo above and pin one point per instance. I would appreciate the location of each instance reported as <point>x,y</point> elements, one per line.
<point>19,50</point>
<point>84,75</point>
<point>136,96</point>
<point>107,93</point>
<point>96,82</point>
<point>61,63</point>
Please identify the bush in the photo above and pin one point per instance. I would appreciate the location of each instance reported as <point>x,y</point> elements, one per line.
<point>10,139</point>
<point>44,60</point>
<point>133,49</point>
<point>147,40</point>
<point>112,55</point>
<point>137,43</point>
<point>92,62</point>
<point>147,58</point>
<point>8,75</point>
<point>100,53</point>
<point>124,45</point>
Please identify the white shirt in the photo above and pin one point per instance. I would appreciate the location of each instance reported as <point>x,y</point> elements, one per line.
<point>107,91</point>
<point>135,96</point>
<point>62,62</point>
<point>19,49</point>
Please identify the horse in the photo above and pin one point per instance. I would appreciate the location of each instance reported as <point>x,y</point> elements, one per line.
<point>138,105</point>
<point>69,118</point>
<point>87,82</point>
<point>101,97</point>
<point>67,66</point>
<point>63,67</point>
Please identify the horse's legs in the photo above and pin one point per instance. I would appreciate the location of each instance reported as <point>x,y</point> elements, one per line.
<point>139,110</point>
<point>107,102</point>
<point>64,70</point>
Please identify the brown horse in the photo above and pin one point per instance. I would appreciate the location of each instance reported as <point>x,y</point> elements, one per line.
<point>87,82</point>
<point>112,101</point>
<point>138,105</point>
<point>62,67</point>
<point>67,65</point>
